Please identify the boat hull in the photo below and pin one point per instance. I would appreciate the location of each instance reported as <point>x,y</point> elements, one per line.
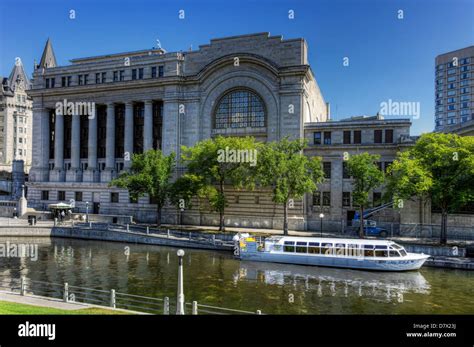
<point>363,263</point>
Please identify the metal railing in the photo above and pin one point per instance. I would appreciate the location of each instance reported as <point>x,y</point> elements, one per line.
<point>108,298</point>
<point>196,236</point>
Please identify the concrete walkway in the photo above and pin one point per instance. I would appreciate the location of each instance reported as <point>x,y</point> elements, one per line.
<point>41,301</point>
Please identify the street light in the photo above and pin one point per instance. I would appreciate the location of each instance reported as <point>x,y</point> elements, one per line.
<point>321,216</point>
<point>87,211</point>
<point>180,300</point>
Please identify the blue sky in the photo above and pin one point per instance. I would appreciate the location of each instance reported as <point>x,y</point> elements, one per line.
<point>389,58</point>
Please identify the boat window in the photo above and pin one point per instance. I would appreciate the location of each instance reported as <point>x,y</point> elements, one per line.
<point>326,248</point>
<point>314,248</point>
<point>289,246</point>
<point>301,247</point>
<point>381,253</point>
<point>354,252</point>
<point>340,248</point>
<point>368,253</point>
<point>396,246</point>
<point>403,252</point>
<point>380,247</point>
<point>368,246</point>
<point>394,254</point>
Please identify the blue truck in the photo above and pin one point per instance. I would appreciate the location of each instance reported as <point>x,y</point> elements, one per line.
<point>370,226</point>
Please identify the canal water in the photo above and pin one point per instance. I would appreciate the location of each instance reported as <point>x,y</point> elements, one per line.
<point>216,278</point>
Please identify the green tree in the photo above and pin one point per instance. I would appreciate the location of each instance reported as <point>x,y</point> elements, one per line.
<point>366,176</point>
<point>439,167</point>
<point>219,162</point>
<point>150,173</point>
<point>183,190</point>
<point>290,174</point>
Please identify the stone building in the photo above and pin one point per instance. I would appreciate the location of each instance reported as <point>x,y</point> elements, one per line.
<point>454,91</point>
<point>15,119</point>
<point>91,115</point>
<point>335,142</point>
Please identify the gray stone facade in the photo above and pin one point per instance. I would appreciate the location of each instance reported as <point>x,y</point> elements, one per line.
<point>15,119</point>
<point>336,141</point>
<point>153,99</point>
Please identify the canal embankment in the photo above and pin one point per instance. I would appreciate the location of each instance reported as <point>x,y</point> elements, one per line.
<point>453,255</point>
<point>144,235</point>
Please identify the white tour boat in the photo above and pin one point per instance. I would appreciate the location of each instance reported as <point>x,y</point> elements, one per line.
<point>366,254</point>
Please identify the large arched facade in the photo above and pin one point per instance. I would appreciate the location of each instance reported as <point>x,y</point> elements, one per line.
<point>250,79</point>
<point>248,85</point>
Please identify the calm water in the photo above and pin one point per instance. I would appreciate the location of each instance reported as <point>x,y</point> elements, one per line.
<point>216,278</point>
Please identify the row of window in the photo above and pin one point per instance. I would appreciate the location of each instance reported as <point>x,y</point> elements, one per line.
<point>462,99</point>
<point>453,78</point>
<point>101,77</point>
<point>114,197</point>
<point>21,152</point>
<point>21,98</point>
<point>453,114</point>
<point>465,90</point>
<point>327,168</point>
<point>346,199</point>
<point>341,249</point>
<point>451,64</point>
<point>352,137</point>
<point>464,77</point>
<point>450,121</point>
<point>452,107</point>
<point>21,119</point>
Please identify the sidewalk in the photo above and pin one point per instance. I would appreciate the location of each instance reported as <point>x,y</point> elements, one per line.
<point>41,301</point>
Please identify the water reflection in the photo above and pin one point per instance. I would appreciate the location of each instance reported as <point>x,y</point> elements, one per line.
<point>217,278</point>
<point>335,282</point>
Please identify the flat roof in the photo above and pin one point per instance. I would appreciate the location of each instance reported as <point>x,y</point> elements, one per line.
<point>118,55</point>
<point>330,240</point>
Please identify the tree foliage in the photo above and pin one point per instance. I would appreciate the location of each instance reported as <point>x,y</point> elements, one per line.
<point>288,172</point>
<point>439,167</point>
<point>366,177</point>
<point>217,162</point>
<point>150,173</point>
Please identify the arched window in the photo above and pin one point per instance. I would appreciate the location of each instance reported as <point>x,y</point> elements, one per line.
<point>240,109</point>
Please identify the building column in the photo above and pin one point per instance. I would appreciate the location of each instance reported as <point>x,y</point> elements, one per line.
<point>128,142</point>
<point>90,174</point>
<point>148,126</point>
<point>57,174</point>
<point>40,145</point>
<point>170,127</point>
<point>45,141</point>
<point>108,174</point>
<point>74,174</point>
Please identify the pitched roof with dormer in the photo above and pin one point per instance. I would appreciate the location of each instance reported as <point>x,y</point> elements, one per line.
<point>18,79</point>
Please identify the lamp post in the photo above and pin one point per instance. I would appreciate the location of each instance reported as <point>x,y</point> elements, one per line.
<point>87,211</point>
<point>321,216</point>
<point>180,299</point>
